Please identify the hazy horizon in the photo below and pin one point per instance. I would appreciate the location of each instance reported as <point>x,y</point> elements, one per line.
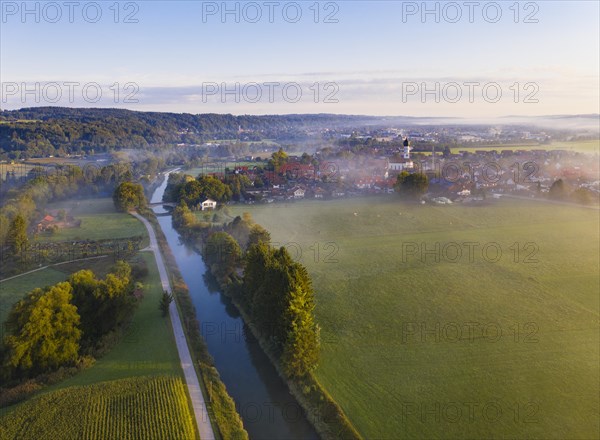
<point>432,59</point>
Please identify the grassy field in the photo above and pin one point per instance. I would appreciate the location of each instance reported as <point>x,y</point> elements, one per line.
<point>592,147</point>
<point>461,347</point>
<point>99,220</point>
<point>147,349</point>
<point>141,408</point>
<point>14,289</point>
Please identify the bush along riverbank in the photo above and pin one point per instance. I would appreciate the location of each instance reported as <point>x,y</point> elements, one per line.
<point>222,407</point>
<point>275,297</point>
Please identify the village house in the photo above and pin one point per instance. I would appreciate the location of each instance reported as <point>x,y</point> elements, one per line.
<point>297,170</point>
<point>319,193</point>
<point>208,204</point>
<point>57,219</point>
<point>297,192</point>
<point>45,223</point>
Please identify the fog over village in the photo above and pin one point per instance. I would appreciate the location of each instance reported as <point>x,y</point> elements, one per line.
<point>299,220</point>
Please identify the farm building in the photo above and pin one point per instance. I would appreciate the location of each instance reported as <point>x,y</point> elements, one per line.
<point>208,204</point>
<point>45,223</point>
<point>54,219</point>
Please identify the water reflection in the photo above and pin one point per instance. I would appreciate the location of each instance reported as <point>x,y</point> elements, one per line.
<point>263,400</point>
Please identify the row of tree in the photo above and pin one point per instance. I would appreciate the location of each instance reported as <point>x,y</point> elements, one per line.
<point>275,291</point>
<point>278,295</point>
<point>192,191</point>
<point>54,326</point>
<point>560,190</point>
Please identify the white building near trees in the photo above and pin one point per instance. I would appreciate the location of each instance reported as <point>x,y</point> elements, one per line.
<point>208,204</point>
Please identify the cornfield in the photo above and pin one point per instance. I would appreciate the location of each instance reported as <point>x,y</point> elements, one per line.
<point>129,409</point>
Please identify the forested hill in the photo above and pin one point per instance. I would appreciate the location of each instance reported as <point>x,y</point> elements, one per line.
<point>43,131</point>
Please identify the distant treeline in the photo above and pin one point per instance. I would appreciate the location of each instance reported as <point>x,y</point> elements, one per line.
<point>43,131</point>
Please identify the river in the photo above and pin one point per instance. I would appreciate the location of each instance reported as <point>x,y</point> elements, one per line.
<point>263,400</point>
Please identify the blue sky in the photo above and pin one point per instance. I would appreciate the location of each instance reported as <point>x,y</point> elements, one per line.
<point>373,60</point>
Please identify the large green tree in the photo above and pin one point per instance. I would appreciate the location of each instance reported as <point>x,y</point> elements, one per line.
<point>102,304</point>
<point>302,345</point>
<point>256,261</point>
<point>43,331</point>
<point>213,188</point>
<point>4,226</point>
<point>558,190</point>
<point>258,234</point>
<point>128,196</point>
<point>279,295</point>
<point>278,159</point>
<point>411,185</point>
<point>17,234</point>
<point>191,193</point>
<point>223,255</point>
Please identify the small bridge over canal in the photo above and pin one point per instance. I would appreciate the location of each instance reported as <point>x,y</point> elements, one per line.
<point>169,204</point>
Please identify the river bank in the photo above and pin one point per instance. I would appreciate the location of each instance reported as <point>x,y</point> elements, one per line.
<point>224,343</point>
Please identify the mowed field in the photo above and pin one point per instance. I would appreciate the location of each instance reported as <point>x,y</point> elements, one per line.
<point>99,220</point>
<point>423,339</point>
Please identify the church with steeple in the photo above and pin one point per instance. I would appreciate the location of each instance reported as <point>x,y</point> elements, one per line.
<point>405,163</point>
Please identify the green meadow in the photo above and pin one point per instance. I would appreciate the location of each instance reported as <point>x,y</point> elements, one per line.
<point>456,321</point>
<point>12,290</point>
<point>590,146</point>
<point>99,220</point>
<point>146,351</point>
<point>147,347</point>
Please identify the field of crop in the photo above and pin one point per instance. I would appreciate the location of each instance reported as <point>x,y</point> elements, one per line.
<point>426,335</point>
<point>99,220</point>
<point>580,146</point>
<point>141,408</point>
<point>146,350</point>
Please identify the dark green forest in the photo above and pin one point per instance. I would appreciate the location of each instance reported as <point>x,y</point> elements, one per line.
<point>58,131</point>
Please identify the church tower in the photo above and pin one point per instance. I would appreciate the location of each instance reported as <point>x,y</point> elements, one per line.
<point>406,151</point>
